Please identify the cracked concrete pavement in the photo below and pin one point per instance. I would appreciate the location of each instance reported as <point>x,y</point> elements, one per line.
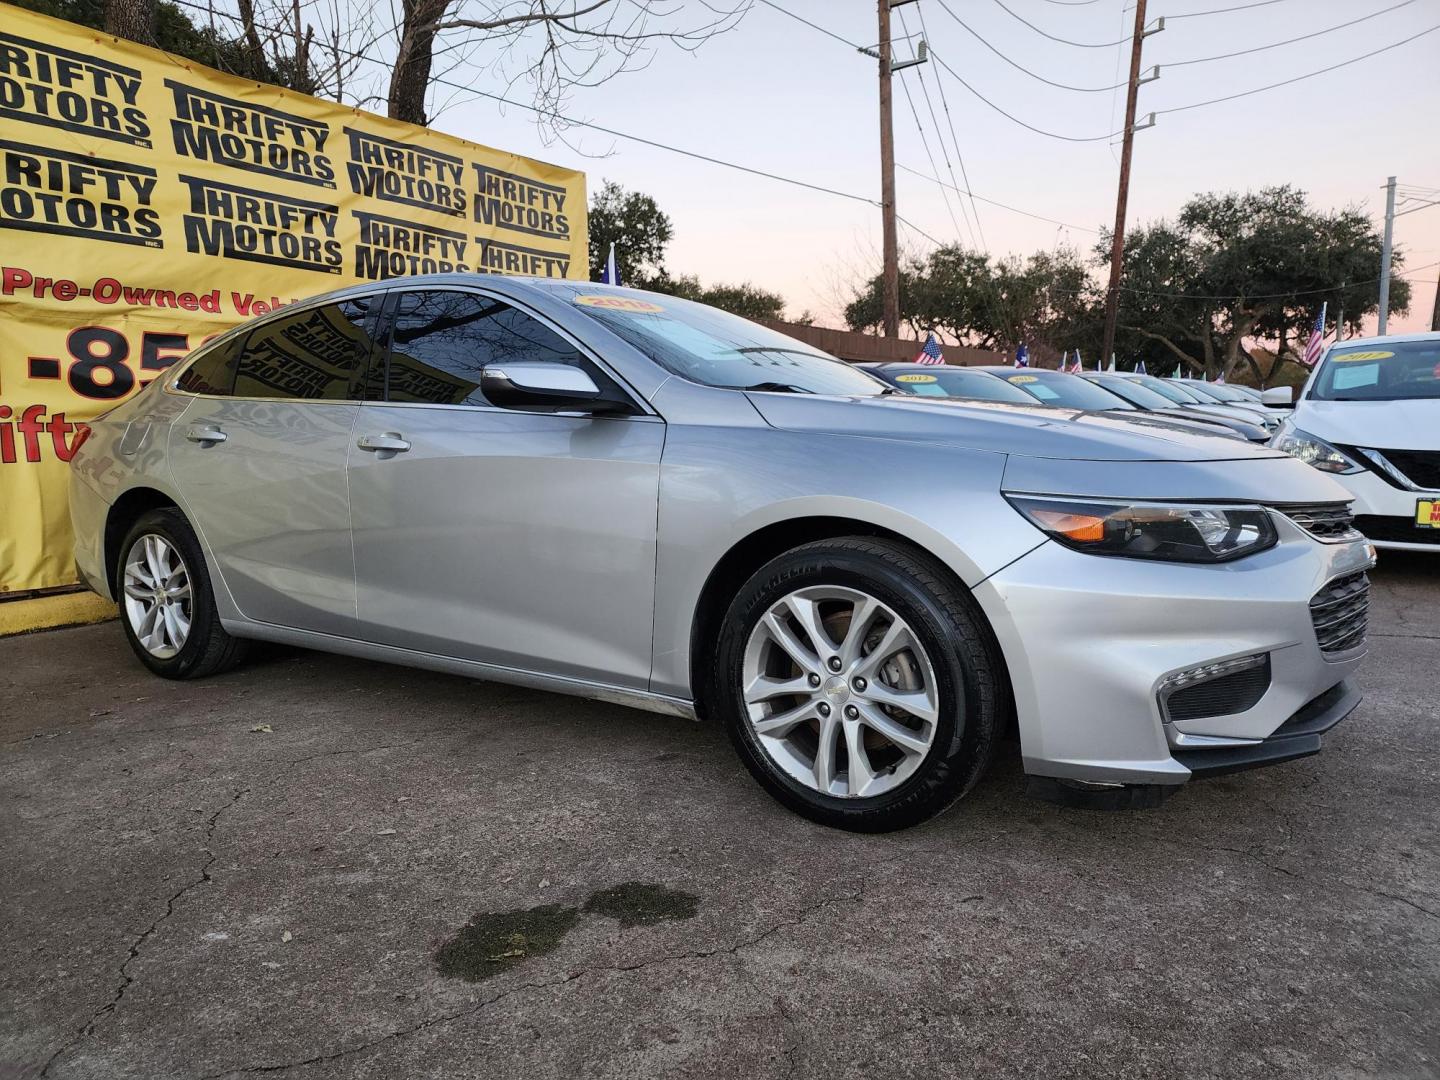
<point>186,896</point>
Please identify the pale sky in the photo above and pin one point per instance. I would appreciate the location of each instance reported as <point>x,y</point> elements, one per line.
<point>779,96</point>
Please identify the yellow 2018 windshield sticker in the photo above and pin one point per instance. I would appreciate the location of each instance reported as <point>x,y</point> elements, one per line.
<point>1346,357</point>
<point>1021,378</point>
<point>619,303</point>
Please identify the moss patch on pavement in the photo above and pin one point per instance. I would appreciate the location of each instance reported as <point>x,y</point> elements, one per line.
<point>494,942</point>
<point>637,903</point>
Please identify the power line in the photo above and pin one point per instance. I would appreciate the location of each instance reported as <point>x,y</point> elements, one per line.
<point>1021,68</point>
<point>944,150</point>
<point>1015,119</point>
<point>1067,41</point>
<point>1299,78</point>
<point>950,122</point>
<point>1223,10</point>
<point>813,26</point>
<point>930,154</point>
<point>1290,41</point>
<point>993,202</point>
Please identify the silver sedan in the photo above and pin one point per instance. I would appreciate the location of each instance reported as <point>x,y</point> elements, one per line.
<point>639,499</point>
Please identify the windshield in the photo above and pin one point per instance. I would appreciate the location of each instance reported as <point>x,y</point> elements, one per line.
<point>1228,394</point>
<point>1071,391</point>
<point>1178,394</point>
<point>1133,392</point>
<point>1394,371</point>
<point>713,347</point>
<point>957,382</point>
<point>1205,393</point>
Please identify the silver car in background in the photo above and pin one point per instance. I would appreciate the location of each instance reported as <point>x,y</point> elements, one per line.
<point>639,499</point>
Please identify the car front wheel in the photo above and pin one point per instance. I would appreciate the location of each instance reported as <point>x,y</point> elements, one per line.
<point>859,684</point>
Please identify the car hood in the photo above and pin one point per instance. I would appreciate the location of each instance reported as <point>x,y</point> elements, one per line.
<point>1381,425</point>
<point>1018,430</point>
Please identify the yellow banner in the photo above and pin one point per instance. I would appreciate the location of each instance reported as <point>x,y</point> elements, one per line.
<point>148,203</point>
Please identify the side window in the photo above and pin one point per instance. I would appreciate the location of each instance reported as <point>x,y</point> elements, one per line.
<point>213,371</point>
<point>443,340</point>
<point>314,355</point>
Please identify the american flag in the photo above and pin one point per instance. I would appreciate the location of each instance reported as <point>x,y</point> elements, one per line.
<point>1317,340</point>
<point>1078,366</point>
<point>1022,357</point>
<point>931,353</point>
<point>1140,367</point>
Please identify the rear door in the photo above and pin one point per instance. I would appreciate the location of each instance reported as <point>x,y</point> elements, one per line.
<point>259,461</point>
<point>516,538</point>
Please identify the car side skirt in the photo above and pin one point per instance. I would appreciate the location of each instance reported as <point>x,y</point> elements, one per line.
<point>473,669</point>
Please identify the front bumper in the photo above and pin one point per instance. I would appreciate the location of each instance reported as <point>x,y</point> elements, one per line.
<point>1089,641</point>
<point>1386,514</point>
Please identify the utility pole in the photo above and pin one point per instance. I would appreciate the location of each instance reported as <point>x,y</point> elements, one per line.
<point>890,276</point>
<point>1435,315</point>
<point>1385,253</point>
<point>1117,244</point>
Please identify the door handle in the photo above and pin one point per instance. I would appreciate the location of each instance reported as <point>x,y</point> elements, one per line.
<point>389,442</point>
<point>205,434</point>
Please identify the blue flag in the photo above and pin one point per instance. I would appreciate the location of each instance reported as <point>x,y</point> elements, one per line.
<point>1140,367</point>
<point>610,275</point>
<point>1022,357</point>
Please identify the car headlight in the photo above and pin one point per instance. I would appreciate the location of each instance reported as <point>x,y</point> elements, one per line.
<point>1313,451</point>
<point>1172,532</point>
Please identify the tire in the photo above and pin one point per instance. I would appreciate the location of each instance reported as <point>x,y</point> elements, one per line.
<point>204,648</point>
<point>953,685</point>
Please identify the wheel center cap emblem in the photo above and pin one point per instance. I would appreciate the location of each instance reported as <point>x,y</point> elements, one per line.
<point>837,690</point>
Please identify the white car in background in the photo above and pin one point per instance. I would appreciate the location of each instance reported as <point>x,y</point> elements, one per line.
<point>1370,417</point>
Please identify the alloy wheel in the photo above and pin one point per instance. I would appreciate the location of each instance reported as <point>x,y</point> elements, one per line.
<point>840,693</point>
<point>157,596</point>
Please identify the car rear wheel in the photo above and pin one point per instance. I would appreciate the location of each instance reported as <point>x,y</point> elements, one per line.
<point>859,684</point>
<point>166,603</point>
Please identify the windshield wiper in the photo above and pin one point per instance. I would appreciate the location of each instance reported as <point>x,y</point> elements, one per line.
<point>776,349</point>
<point>777,388</point>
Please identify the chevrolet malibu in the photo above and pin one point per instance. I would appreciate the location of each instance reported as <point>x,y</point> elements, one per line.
<point>638,499</point>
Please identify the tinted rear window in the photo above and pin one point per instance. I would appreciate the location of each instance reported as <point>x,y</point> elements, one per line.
<point>310,355</point>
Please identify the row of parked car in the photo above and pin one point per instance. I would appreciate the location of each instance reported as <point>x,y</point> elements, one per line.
<point>1368,416</point>
<point>1216,408</point>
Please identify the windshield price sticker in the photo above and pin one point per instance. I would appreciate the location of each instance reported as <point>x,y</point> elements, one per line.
<point>1022,378</point>
<point>620,303</point>
<point>1346,357</point>
<point>915,378</point>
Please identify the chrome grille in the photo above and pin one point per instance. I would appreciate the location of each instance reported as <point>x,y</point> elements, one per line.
<point>1327,521</point>
<point>1421,467</point>
<point>1339,612</point>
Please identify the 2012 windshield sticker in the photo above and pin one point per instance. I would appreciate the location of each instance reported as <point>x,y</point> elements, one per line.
<point>619,303</point>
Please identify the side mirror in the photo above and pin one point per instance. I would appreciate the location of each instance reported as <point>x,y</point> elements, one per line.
<point>546,388</point>
<point>1278,397</point>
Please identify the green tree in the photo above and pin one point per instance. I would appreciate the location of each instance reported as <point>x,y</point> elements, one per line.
<point>1246,267</point>
<point>1045,300</point>
<point>638,228</point>
<point>746,299</point>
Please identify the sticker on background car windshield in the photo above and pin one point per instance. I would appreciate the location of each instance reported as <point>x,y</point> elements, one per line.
<point>914,378</point>
<point>1427,513</point>
<point>619,303</point>
<point>1346,357</point>
<point>1022,378</point>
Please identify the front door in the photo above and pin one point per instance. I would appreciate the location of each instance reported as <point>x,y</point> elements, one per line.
<point>259,461</point>
<point>520,539</point>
